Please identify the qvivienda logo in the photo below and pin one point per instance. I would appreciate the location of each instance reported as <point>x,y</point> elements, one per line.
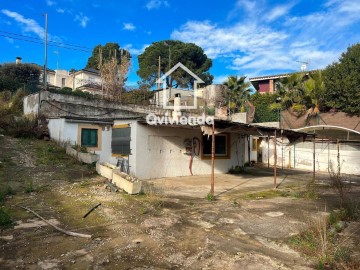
<point>152,119</point>
<point>165,95</point>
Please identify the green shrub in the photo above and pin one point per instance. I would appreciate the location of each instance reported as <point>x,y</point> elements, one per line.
<point>210,197</point>
<point>29,186</point>
<point>5,192</point>
<point>5,219</point>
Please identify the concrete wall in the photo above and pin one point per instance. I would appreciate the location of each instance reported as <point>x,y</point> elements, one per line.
<point>300,156</point>
<point>57,105</point>
<point>31,104</point>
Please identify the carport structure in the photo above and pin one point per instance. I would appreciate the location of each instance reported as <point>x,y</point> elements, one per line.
<point>220,126</point>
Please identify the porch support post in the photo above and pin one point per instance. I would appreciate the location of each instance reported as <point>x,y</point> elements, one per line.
<point>212,158</point>
<point>282,150</point>
<point>275,160</point>
<point>268,148</point>
<point>314,158</point>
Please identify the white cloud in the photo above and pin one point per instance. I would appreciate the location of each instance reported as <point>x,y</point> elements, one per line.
<point>29,25</point>
<point>82,19</point>
<point>156,4</point>
<point>262,44</point>
<point>247,5</point>
<point>50,3</point>
<point>60,10</point>
<point>220,79</point>
<point>135,51</point>
<point>128,26</point>
<point>243,8</point>
<point>277,12</point>
<point>220,41</point>
<point>10,40</point>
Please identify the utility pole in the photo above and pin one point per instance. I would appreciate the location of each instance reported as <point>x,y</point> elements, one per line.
<point>45,50</point>
<point>45,64</point>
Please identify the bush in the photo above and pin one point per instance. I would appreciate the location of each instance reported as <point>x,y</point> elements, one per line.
<point>263,111</point>
<point>5,219</point>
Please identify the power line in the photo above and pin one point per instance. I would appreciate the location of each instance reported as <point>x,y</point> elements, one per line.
<point>39,41</point>
<point>56,42</point>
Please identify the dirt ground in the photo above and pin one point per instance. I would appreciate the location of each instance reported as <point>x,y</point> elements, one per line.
<point>172,226</point>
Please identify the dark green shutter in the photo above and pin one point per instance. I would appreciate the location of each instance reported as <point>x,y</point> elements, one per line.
<point>89,137</point>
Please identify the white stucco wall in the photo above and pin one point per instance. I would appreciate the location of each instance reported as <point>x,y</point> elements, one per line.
<point>81,78</point>
<point>160,152</point>
<point>65,132</point>
<point>300,156</point>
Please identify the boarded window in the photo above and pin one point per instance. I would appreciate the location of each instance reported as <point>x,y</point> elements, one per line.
<point>120,141</point>
<point>221,145</point>
<point>89,137</point>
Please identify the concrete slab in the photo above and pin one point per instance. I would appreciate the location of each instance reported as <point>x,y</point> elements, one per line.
<point>255,179</point>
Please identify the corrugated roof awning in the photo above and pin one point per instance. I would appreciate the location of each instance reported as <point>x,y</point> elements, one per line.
<point>224,126</point>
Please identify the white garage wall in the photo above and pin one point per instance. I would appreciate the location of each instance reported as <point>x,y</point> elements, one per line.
<point>300,156</point>
<point>160,152</point>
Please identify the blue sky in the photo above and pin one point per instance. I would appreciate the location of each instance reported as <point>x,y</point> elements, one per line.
<point>243,37</point>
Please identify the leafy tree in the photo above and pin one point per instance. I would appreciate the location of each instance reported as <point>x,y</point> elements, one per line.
<point>239,93</point>
<point>106,53</point>
<point>342,81</point>
<point>14,76</point>
<point>263,113</point>
<point>189,54</point>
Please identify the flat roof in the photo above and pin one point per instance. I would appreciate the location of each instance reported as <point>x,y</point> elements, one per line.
<point>278,76</point>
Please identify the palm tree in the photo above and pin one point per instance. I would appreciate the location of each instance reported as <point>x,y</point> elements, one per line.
<point>301,92</point>
<point>239,93</point>
<point>315,89</point>
<point>291,91</point>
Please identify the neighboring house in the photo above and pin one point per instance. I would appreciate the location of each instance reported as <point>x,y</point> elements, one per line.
<point>267,84</point>
<point>59,78</point>
<point>87,80</point>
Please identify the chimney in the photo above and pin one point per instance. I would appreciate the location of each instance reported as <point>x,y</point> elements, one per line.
<point>18,60</point>
<point>177,103</point>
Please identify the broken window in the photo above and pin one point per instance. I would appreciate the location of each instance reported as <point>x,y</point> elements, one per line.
<point>222,147</point>
<point>89,137</point>
<point>120,140</point>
